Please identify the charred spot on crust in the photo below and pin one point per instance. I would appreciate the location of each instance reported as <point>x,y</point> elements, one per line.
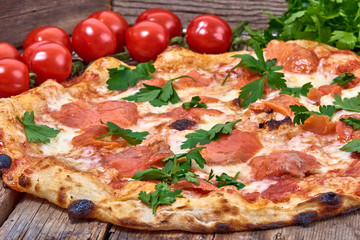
<point>223,227</point>
<point>61,197</point>
<point>81,208</point>
<point>182,124</point>
<point>5,162</point>
<point>236,102</point>
<point>304,219</point>
<point>330,199</point>
<point>24,181</point>
<point>273,124</point>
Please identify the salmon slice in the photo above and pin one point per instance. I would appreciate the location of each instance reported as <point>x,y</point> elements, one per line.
<point>345,132</point>
<point>319,124</point>
<point>232,148</point>
<point>184,83</point>
<point>192,114</point>
<point>316,93</point>
<point>186,185</point>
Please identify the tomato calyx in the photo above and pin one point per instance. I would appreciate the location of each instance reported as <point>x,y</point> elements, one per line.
<point>180,41</point>
<point>122,56</point>
<point>32,77</point>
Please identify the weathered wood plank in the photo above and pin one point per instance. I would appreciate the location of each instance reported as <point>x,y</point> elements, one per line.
<point>19,17</point>
<point>231,10</point>
<point>35,218</point>
<point>8,200</point>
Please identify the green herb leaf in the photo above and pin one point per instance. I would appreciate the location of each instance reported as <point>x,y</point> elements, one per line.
<point>350,104</point>
<point>225,180</point>
<point>133,138</point>
<point>352,146</point>
<point>343,39</point>
<point>35,133</point>
<point>343,78</point>
<point>304,90</point>
<point>355,123</point>
<point>161,196</point>
<point>203,137</point>
<point>122,77</point>
<point>195,103</point>
<point>302,113</point>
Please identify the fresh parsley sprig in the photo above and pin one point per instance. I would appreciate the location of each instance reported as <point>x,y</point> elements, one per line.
<point>353,122</point>
<point>195,103</point>
<point>122,77</point>
<point>226,180</point>
<point>35,133</point>
<point>161,196</point>
<point>254,90</point>
<point>157,96</point>
<point>133,138</point>
<point>304,90</point>
<point>302,113</point>
<point>352,146</point>
<point>343,78</point>
<point>350,104</point>
<point>203,137</point>
<point>174,170</point>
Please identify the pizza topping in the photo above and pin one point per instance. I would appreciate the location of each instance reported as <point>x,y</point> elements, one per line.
<point>186,185</point>
<point>277,164</point>
<point>350,104</point>
<point>80,114</point>
<point>158,82</point>
<point>293,57</point>
<point>274,124</point>
<point>343,78</point>
<point>137,158</point>
<point>319,124</point>
<point>226,180</point>
<point>280,192</point>
<point>297,91</point>
<point>35,133</point>
<point>192,114</point>
<point>161,195</point>
<point>195,103</point>
<point>182,124</point>
<point>5,162</point>
<point>122,77</point>
<point>133,138</point>
<point>302,113</point>
<point>203,137</point>
<point>281,104</point>
<point>231,148</point>
<point>193,79</point>
<point>352,146</point>
<point>316,93</point>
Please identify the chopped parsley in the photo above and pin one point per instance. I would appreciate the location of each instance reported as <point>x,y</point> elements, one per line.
<point>304,90</point>
<point>302,113</point>
<point>352,146</point>
<point>353,122</point>
<point>350,104</point>
<point>195,103</point>
<point>343,78</point>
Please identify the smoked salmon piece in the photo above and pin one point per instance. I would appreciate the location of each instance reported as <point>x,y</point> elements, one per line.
<point>158,82</point>
<point>280,104</point>
<point>293,57</point>
<point>319,124</point>
<point>285,163</point>
<point>316,93</point>
<point>237,147</point>
<point>345,132</point>
<point>184,83</point>
<point>186,185</point>
<point>192,114</point>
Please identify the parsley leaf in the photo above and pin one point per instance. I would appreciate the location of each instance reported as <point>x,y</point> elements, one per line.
<point>161,196</point>
<point>343,78</point>
<point>304,90</point>
<point>225,180</point>
<point>174,170</point>
<point>36,133</point>
<point>352,146</point>
<point>195,102</point>
<point>122,77</point>
<point>355,123</point>
<point>254,90</point>
<point>343,39</point>
<point>302,113</point>
<point>157,96</point>
<point>133,138</point>
<point>350,104</point>
<point>203,137</point>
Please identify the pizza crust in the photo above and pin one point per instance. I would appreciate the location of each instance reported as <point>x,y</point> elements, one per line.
<point>222,210</point>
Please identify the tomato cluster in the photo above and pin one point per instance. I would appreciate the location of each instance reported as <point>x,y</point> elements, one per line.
<point>48,49</point>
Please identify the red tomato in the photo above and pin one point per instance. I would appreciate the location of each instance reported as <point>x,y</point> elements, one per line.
<point>116,23</point>
<point>164,17</point>
<point>50,60</point>
<point>208,34</point>
<point>14,77</point>
<point>9,51</point>
<point>48,33</point>
<point>93,39</point>
<point>145,40</point>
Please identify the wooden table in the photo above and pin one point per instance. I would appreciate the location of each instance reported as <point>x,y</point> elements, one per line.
<point>23,216</point>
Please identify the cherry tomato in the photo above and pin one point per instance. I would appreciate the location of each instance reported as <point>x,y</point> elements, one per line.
<point>49,60</point>
<point>93,39</point>
<point>208,34</point>
<point>48,33</point>
<point>14,77</point>
<point>9,51</point>
<point>145,40</point>
<point>164,17</point>
<point>116,23</point>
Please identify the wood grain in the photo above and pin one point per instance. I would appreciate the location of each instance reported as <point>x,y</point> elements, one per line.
<point>8,200</point>
<point>19,17</point>
<point>231,10</point>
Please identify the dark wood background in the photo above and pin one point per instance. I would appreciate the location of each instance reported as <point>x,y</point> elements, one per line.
<point>34,218</point>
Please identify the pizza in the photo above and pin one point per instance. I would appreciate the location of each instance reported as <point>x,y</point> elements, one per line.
<point>194,142</point>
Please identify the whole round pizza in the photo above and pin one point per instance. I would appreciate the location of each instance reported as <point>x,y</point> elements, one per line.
<point>203,143</point>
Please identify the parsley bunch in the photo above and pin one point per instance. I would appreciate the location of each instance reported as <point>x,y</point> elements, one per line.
<point>302,113</point>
